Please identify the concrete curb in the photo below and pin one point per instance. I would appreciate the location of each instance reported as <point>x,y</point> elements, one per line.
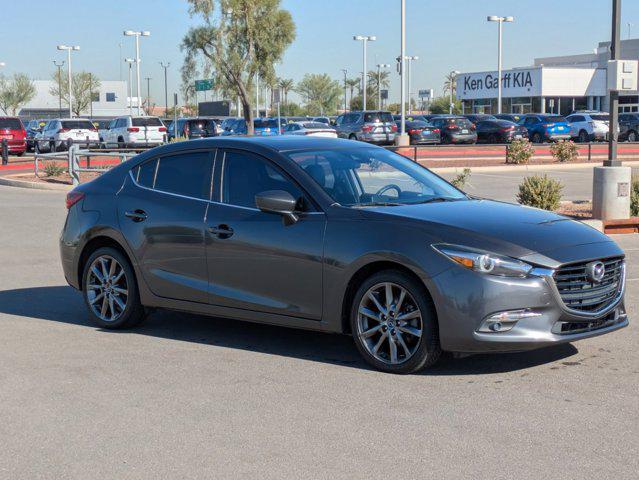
<point>14,182</point>
<point>524,168</point>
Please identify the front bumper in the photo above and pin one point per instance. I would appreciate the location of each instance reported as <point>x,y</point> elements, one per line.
<point>478,296</point>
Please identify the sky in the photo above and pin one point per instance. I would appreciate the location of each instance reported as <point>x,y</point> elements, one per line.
<point>445,35</point>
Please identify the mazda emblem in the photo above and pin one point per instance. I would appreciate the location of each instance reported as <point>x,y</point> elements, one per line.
<point>595,271</point>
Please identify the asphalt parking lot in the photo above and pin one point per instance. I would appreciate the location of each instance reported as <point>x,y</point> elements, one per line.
<point>190,397</point>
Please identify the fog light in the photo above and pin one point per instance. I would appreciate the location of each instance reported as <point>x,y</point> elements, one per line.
<point>503,321</point>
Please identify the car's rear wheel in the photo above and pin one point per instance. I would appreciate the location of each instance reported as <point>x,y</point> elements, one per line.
<point>536,138</point>
<point>394,324</point>
<point>121,143</point>
<point>493,138</point>
<point>583,136</point>
<point>110,290</point>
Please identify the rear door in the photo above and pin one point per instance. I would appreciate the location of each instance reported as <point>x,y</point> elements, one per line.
<point>161,211</point>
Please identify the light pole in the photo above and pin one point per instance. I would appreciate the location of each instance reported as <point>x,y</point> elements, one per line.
<point>453,86</point>
<point>166,95</point>
<point>130,61</point>
<point>379,82</point>
<point>410,94</point>
<point>137,35</point>
<point>364,39</point>
<point>403,138</point>
<point>500,21</point>
<point>148,93</point>
<point>345,72</point>
<point>59,66</point>
<point>69,49</point>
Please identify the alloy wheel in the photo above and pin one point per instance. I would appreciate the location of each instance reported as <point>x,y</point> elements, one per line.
<point>389,323</point>
<point>107,288</point>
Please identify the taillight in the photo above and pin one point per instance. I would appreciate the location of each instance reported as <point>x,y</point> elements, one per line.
<point>162,129</point>
<point>507,129</point>
<point>367,128</point>
<point>473,126</point>
<point>452,127</point>
<point>73,197</point>
<point>393,128</point>
<point>436,130</point>
<point>414,131</point>
<point>63,130</point>
<point>133,129</point>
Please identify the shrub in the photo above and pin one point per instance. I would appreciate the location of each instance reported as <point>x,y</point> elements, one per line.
<point>460,180</point>
<point>519,151</point>
<point>564,151</point>
<point>178,139</point>
<point>540,192</point>
<point>53,169</point>
<point>634,197</point>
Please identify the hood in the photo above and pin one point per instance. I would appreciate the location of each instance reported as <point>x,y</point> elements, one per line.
<point>499,227</point>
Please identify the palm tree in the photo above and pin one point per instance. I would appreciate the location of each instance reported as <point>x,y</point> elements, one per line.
<point>379,81</point>
<point>353,83</point>
<point>285,85</point>
<point>450,83</point>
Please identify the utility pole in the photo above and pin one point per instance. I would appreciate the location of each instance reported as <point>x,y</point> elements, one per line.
<point>69,49</point>
<point>166,95</point>
<point>59,66</point>
<point>137,35</point>
<point>402,139</point>
<point>364,39</point>
<point>148,94</point>
<point>345,72</point>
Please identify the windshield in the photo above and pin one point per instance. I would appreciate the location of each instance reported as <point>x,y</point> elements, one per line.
<point>360,177</point>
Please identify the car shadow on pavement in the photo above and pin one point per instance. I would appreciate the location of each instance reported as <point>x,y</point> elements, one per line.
<point>64,304</point>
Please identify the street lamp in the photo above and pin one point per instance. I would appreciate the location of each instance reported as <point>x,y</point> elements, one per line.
<point>364,39</point>
<point>345,72</point>
<point>410,93</point>
<point>59,66</point>
<point>69,49</point>
<point>137,35</point>
<point>453,81</point>
<point>2,64</point>
<point>130,61</point>
<point>166,95</point>
<point>402,139</point>
<point>379,82</point>
<point>500,21</point>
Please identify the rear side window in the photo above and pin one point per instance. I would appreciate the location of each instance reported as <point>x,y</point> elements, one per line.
<point>145,173</point>
<point>10,123</point>
<point>187,174</point>
<point>146,122</point>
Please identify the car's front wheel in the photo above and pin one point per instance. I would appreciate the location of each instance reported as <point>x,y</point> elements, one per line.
<point>110,290</point>
<point>394,323</point>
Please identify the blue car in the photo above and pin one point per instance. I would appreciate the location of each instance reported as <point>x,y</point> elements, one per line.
<point>262,127</point>
<point>546,128</point>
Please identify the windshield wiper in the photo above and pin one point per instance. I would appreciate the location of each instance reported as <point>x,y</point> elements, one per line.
<point>437,199</point>
<point>379,204</point>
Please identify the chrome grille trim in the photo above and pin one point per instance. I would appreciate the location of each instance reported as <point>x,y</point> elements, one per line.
<point>582,296</point>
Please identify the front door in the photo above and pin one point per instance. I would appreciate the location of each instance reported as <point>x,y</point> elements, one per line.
<point>255,260</point>
<point>161,210</point>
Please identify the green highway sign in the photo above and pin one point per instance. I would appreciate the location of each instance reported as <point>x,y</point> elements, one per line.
<point>203,85</point>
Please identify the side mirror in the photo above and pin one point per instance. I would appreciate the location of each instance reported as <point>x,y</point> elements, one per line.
<point>280,202</point>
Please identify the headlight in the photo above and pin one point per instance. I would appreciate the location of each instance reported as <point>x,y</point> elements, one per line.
<point>485,262</point>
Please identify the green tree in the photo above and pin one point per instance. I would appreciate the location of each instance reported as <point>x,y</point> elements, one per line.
<point>285,85</point>
<point>352,84</point>
<point>442,105</point>
<point>237,40</point>
<point>15,92</point>
<point>83,85</point>
<point>376,82</point>
<point>321,93</point>
<point>450,83</point>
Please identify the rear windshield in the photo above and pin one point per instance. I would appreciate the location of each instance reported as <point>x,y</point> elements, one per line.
<point>199,125</point>
<point>601,118</point>
<point>504,123</point>
<point>314,125</point>
<point>147,122</point>
<point>77,124</point>
<point>378,117</point>
<point>417,124</point>
<point>270,123</point>
<point>462,122</point>
<point>554,119</point>
<point>10,123</point>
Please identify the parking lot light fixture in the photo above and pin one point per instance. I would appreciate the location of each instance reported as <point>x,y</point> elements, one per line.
<point>410,94</point>
<point>137,35</point>
<point>165,66</point>
<point>69,49</point>
<point>379,82</point>
<point>130,61</point>
<point>500,21</point>
<point>453,82</point>
<point>2,64</point>
<point>364,39</point>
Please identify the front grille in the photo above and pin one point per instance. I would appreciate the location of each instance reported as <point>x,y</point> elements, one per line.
<point>579,292</point>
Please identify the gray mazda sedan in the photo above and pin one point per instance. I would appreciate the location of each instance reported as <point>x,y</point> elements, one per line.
<point>336,236</point>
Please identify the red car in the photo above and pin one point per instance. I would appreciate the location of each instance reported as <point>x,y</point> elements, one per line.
<point>13,131</point>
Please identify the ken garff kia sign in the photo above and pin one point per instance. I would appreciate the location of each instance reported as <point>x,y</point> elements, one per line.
<point>515,83</point>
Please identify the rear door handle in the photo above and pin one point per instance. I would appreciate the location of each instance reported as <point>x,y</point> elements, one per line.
<point>221,231</point>
<point>136,215</point>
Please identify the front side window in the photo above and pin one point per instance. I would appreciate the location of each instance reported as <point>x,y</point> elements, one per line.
<point>360,177</point>
<point>246,175</point>
<point>187,174</point>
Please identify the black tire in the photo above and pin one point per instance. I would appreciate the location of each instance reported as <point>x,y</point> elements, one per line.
<point>536,138</point>
<point>352,136</point>
<point>121,143</point>
<point>583,136</point>
<point>19,154</point>
<point>632,136</point>
<point>134,312</point>
<point>428,349</point>
<point>494,139</point>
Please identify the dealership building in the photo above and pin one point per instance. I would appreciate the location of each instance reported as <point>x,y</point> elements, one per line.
<point>552,85</point>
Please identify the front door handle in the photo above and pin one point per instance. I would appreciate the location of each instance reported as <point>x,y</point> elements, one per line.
<point>221,231</point>
<point>136,215</point>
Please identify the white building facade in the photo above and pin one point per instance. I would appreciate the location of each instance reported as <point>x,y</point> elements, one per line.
<point>557,85</point>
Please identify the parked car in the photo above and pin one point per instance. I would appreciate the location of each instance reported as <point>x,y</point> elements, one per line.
<point>135,132</point>
<point>478,117</point>
<point>33,127</point>
<point>410,118</point>
<point>12,130</point>
<point>193,128</point>
<point>455,129</point>
<point>589,127</point>
<point>57,132</point>
<point>542,128</point>
<point>372,126</point>
<point>313,129</point>
<point>499,131</point>
<point>261,127</point>
<point>511,117</point>
<point>324,120</point>
<point>629,127</point>
<point>420,132</point>
<point>335,236</point>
